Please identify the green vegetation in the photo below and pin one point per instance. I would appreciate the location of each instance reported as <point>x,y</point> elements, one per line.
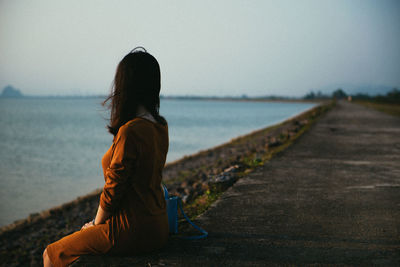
<point>392,97</point>
<point>318,95</point>
<point>337,94</point>
<point>389,103</point>
<point>201,203</point>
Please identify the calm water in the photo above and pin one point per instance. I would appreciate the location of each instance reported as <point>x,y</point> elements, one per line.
<point>51,149</point>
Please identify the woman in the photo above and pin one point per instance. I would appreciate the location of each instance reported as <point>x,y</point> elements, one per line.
<point>131,217</point>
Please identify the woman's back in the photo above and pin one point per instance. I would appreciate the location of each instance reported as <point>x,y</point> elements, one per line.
<point>133,169</point>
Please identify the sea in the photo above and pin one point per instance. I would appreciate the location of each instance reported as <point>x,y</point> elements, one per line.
<point>51,148</point>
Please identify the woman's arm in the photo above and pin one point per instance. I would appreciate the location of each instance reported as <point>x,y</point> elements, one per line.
<point>117,174</point>
<point>100,218</point>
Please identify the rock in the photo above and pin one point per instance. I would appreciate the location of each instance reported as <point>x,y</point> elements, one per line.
<point>233,168</point>
<point>194,185</point>
<point>33,217</point>
<point>294,129</point>
<point>204,186</point>
<point>180,190</point>
<point>187,190</point>
<point>304,122</point>
<point>273,142</point>
<point>184,184</point>
<point>184,198</point>
<point>223,180</point>
<point>203,176</point>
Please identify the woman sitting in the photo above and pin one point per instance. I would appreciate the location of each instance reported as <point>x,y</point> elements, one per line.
<point>131,217</point>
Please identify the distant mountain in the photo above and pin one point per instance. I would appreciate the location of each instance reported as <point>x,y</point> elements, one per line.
<point>10,91</point>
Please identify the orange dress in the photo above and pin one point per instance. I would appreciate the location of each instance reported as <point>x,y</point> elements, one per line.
<point>132,194</point>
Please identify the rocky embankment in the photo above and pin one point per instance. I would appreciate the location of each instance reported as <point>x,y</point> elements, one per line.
<point>198,179</point>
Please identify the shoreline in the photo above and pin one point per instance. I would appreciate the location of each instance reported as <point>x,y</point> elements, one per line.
<point>45,213</point>
<point>191,177</point>
<point>202,151</point>
<point>38,212</point>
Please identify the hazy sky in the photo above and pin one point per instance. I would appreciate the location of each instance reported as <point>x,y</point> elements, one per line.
<point>204,47</point>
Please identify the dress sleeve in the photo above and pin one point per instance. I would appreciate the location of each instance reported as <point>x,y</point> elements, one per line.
<point>119,171</point>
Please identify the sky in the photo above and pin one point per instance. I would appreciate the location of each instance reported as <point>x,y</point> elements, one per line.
<point>221,48</point>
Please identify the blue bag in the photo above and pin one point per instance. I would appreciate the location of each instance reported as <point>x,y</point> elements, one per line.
<point>172,210</point>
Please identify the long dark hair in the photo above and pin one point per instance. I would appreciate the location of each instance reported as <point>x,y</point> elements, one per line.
<point>137,82</point>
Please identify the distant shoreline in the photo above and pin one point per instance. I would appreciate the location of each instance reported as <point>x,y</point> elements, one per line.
<point>53,97</point>
<point>200,98</point>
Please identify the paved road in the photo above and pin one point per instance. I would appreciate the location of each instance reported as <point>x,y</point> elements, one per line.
<point>331,198</point>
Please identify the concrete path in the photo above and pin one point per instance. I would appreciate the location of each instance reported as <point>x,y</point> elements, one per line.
<point>333,198</point>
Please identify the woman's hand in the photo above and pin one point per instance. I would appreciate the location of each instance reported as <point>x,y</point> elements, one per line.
<point>101,217</point>
<point>87,225</point>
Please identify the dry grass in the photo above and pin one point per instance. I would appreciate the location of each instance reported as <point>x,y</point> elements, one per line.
<point>392,109</point>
